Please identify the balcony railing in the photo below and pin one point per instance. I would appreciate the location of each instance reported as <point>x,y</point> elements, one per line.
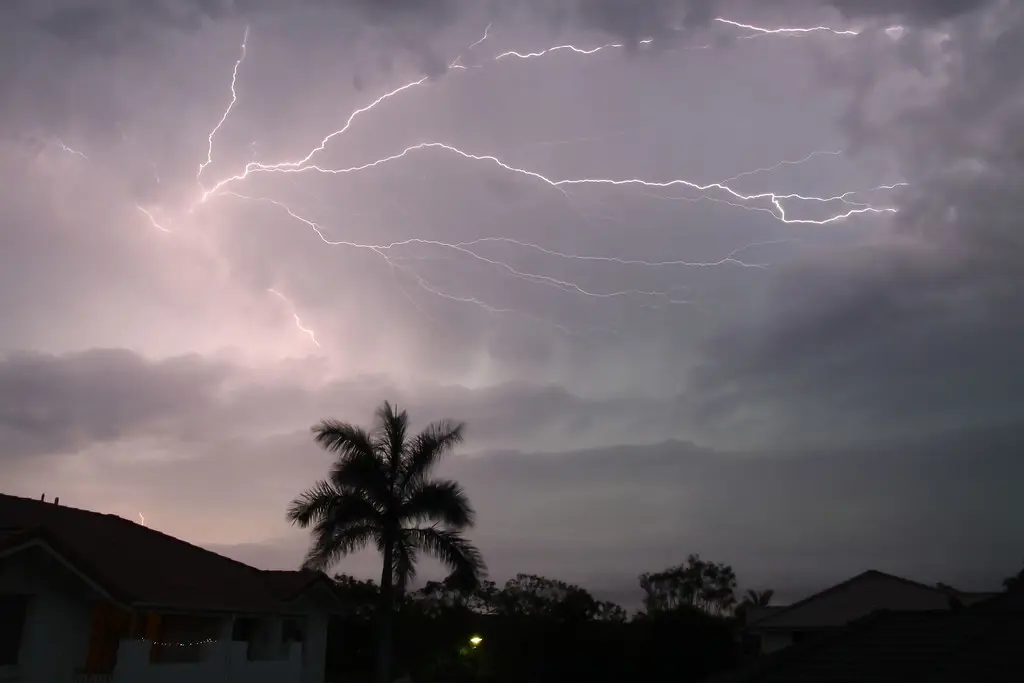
<point>91,677</point>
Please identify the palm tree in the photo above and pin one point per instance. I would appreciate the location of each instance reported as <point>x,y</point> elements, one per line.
<point>758,598</point>
<point>753,598</point>
<point>379,491</point>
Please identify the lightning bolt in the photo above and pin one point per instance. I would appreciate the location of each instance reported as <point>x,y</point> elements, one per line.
<point>142,520</point>
<point>771,202</point>
<point>152,219</point>
<point>69,150</point>
<point>231,105</point>
<point>785,162</point>
<point>298,321</point>
<point>755,32</point>
<point>383,250</point>
<point>775,199</point>
<point>784,31</point>
<point>487,31</point>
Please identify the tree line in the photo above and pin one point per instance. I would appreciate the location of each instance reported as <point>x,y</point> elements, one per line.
<point>535,628</point>
<point>696,585</point>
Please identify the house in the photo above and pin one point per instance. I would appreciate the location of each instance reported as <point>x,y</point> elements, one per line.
<point>981,642</point>
<point>93,598</point>
<point>779,627</point>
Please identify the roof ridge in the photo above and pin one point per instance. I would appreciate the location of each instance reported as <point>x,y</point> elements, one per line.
<point>784,609</point>
<point>134,525</point>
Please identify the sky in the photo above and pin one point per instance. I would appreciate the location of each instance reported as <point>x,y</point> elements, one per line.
<point>719,287</point>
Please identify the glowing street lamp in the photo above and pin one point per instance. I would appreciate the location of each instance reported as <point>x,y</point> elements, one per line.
<point>475,641</point>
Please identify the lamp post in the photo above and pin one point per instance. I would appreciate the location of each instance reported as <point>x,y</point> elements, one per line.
<point>475,655</point>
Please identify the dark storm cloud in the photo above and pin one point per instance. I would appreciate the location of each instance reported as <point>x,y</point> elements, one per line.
<point>924,330</point>
<point>112,24</point>
<point>64,404</point>
<point>911,11</point>
<point>109,25</point>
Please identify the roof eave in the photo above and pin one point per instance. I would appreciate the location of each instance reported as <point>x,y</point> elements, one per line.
<point>38,539</point>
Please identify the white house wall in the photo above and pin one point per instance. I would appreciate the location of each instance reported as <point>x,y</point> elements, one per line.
<point>223,662</point>
<point>774,641</point>
<point>314,656</point>
<point>55,640</point>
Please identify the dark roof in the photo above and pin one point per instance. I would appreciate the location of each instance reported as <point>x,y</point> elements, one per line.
<point>1011,600</point>
<point>756,614</point>
<point>766,620</point>
<point>926,647</point>
<point>139,566</point>
<point>292,585</point>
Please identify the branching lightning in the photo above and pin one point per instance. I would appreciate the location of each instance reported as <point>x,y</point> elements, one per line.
<point>786,162</point>
<point>775,199</point>
<point>231,105</point>
<point>394,253</point>
<point>298,321</point>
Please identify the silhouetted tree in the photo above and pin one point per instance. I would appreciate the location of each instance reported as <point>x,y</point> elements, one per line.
<point>753,598</point>
<point>756,598</point>
<point>361,596</point>
<point>529,595</point>
<point>379,491</point>
<point>699,584</point>
<point>535,629</point>
<point>1015,582</point>
<point>609,611</point>
<point>438,597</point>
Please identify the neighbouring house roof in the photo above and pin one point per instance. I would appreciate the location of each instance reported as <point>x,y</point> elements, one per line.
<point>857,597</point>
<point>289,586</point>
<point>138,566</point>
<point>941,646</point>
<point>757,614</point>
<point>1011,600</point>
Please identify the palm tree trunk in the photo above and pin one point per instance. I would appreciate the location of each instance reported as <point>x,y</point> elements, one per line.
<point>385,617</point>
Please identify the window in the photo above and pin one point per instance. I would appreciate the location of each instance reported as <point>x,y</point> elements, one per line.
<point>292,630</point>
<point>243,629</point>
<point>13,610</point>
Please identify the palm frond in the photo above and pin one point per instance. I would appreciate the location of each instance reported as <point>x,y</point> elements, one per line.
<point>405,556</point>
<point>390,429</point>
<point>363,472</point>
<point>342,438</point>
<point>351,508</point>
<point>442,501</point>
<point>454,551</point>
<point>429,446</point>
<point>332,544</point>
<point>312,505</point>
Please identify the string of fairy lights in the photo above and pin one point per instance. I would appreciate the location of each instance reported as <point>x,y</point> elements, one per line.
<point>195,643</point>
